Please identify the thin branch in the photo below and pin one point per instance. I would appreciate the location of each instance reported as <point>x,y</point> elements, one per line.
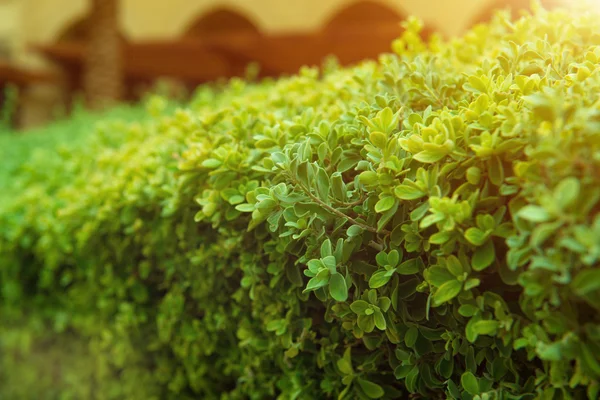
<point>435,96</point>
<point>352,204</point>
<point>375,245</point>
<point>335,211</point>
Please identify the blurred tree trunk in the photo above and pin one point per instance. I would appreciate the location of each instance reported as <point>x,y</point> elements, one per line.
<point>103,76</point>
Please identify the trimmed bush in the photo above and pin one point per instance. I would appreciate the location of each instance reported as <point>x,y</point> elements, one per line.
<point>61,136</point>
<point>423,226</point>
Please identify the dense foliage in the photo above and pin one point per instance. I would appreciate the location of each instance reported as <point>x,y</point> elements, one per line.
<point>426,225</point>
<point>63,135</point>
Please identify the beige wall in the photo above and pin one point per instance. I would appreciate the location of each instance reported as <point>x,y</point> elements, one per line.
<point>42,20</point>
<point>39,21</point>
<point>10,19</point>
<point>169,18</point>
<point>24,22</point>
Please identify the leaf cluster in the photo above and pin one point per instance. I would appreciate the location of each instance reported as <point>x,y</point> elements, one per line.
<point>426,225</point>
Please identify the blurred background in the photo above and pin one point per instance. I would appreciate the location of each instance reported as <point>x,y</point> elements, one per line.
<point>55,53</point>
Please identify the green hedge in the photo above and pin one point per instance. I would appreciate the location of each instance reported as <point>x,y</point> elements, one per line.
<point>423,226</point>
<point>63,135</point>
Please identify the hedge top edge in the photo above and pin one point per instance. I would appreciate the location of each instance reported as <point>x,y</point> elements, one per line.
<point>425,225</point>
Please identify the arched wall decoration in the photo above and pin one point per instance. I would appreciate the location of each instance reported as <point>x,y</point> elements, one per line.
<point>203,17</point>
<point>221,20</point>
<point>157,19</point>
<point>365,13</point>
<point>42,21</point>
<point>515,7</point>
<point>77,31</point>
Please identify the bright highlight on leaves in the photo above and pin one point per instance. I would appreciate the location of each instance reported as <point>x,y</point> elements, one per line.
<point>426,225</point>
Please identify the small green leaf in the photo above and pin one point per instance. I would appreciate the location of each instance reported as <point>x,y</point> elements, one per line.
<point>473,175</point>
<point>454,266</point>
<point>484,256</point>
<point>345,366</point>
<point>354,230</point>
<point>386,217</point>
<point>549,352</point>
<point>337,287</point>
<point>393,258</point>
<point>593,390</point>
<point>366,322</point>
<point>368,178</point>
<point>410,267</point>
<point>338,187</point>
<point>586,282</point>
<point>411,336</point>
<point>567,191</point>
<point>378,279</point>
<point>384,204</point>
<point>378,139</point>
<point>446,367</point>
<point>212,163</point>
<point>384,303</point>
<point>467,310</point>
<point>440,237</point>
<point>543,232</point>
<point>330,262</point>
<point>469,383</point>
<point>279,158</point>
<point>402,371</point>
<point>476,236</point>
<point>437,275</point>
<point>431,219</point>
<point>472,283</point>
<point>237,199</point>
<point>322,152</point>
<point>411,379</point>
<point>323,185</point>
<point>372,296</point>
<point>326,248</point>
<point>359,307</point>
<point>476,84</point>
<point>534,214</point>
<point>406,192</point>
<point>318,281</point>
<point>447,292</point>
<point>499,368</point>
<point>419,212</point>
<point>275,325</point>
<point>486,327</point>
<point>590,359</point>
<point>266,204</point>
<point>381,258</point>
<point>453,390</point>
<point>379,320</point>
<point>372,390</point>
<point>496,171</point>
<point>315,265</point>
<point>245,207</point>
<point>387,119</point>
<point>430,156</point>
